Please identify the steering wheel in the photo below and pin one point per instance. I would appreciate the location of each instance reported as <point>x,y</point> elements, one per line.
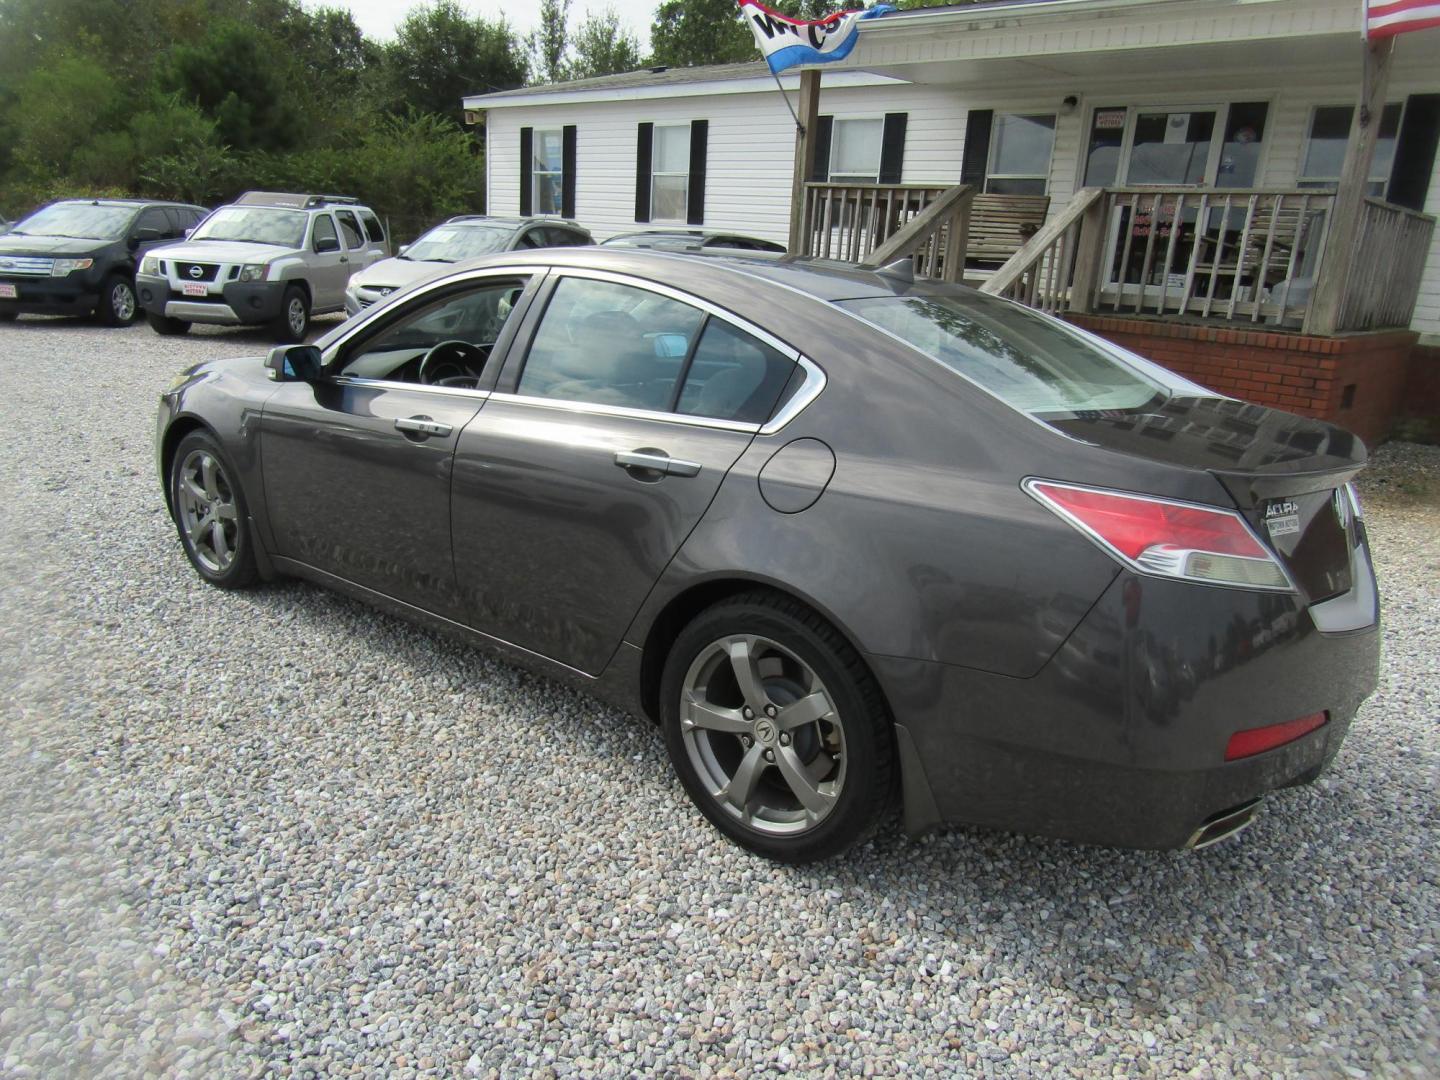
<point>452,363</point>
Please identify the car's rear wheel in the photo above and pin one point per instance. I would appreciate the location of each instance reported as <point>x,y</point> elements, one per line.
<point>210,513</point>
<point>166,326</point>
<point>777,730</point>
<point>117,306</point>
<point>294,320</point>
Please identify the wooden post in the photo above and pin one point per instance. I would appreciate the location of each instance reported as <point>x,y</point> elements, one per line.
<point>1325,304</point>
<point>809,113</point>
<point>1089,255</point>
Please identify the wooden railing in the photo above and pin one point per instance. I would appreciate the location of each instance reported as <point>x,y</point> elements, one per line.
<point>862,222</point>
<point>1059,261</point>
<point>1383,272</point>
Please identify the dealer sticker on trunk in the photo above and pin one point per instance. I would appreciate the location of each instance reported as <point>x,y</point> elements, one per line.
<point>1282,517</point>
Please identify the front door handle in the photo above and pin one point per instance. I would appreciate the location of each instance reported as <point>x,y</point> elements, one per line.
<point>422,425</point>
<point>656,461</point>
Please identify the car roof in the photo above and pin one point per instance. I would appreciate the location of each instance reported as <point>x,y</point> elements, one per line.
<point>126,202</point>
<point>500,219</point>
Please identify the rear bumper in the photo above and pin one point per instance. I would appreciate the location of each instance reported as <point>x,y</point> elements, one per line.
<point>234,304</point>
<point>1120,739</point>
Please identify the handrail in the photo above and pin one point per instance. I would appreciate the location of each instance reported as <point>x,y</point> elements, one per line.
<point>949,214</point>
<point>1036,247</point>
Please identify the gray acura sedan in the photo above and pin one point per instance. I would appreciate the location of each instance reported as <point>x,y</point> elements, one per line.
<point>851,539</point>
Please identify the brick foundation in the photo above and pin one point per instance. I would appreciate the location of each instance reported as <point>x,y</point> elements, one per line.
<point>1356,380</point>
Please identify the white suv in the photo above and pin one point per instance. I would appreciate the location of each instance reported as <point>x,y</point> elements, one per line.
<point>267,258</point>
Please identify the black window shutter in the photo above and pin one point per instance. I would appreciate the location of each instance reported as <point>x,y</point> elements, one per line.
<point>527,155</point>
<point>892,148</point>
<point>1415,151</point>
<point>644,145</point>
<point>821,172</point>
<point>977,147</point>
<point>699,137</point>
<point>567,179</point>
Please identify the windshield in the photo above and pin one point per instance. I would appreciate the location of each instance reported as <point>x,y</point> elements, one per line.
<point>254,225</point>
<point>1024,359</point>
<point>85,221</point>
<point>452,243</point>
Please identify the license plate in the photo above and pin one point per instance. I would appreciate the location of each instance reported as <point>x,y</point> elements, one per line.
<point>10,292</point>
<point>190,288</point>
<point>1282,517</point>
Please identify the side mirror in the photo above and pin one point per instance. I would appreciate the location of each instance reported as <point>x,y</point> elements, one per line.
<point>402,249</point>
<point>326,244</point>
<point>190,230</point>
<point>294,363</point>
<point>143,236</point>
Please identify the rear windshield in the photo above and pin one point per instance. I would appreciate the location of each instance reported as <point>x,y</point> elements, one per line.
<point>82,221</point>
<point>1021,357</point>
<point>454,243</point>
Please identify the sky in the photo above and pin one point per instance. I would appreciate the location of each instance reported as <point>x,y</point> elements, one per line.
<point>379,17</point>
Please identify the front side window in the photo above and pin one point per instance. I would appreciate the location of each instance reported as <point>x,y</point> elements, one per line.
<point>855,151</point>
<point>670,174</point>
<point>1020,154</point>
<point>254,225</point>
<point>325,236</point>
<point>83,221</point>
<point>547,171</point>
<point>1329,136</point>
<point>604,343</point>
<point>1021,357</point>
<point>456,333</point>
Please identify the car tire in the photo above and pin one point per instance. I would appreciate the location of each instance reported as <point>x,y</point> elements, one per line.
<point>293,322</point>
<point>210,513</point>
<point>117,305</point>
<point>166,326</point>
<point>798,766</point>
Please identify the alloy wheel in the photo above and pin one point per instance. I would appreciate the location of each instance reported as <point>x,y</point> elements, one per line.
<point>208,511</point>
<point>295,315</point>
<point>122,301</point>
<point>763,735</point>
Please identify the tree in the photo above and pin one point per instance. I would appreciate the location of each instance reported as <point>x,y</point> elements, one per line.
<point>687,32</point>
<point>440,54</point>
<point>603,47</point>
<point>549,41</point>
<point>237,77</point>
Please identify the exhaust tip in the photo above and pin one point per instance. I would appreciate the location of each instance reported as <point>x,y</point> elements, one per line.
<point>1224,825</point>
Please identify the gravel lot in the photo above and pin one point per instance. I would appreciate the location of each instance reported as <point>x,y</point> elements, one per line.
<point>279,834</point>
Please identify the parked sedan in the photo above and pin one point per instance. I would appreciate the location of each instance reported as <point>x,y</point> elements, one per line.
<point>467,237</point>
<point>848,537</point>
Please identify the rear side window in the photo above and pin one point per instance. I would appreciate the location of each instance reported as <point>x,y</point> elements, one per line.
<point>1021,357</point>
<point>733,376</point>
<point>354,238</point>
<point>603,343</point>
<point>373,229</point>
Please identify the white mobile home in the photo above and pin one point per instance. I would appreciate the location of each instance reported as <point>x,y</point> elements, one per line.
<point>1205,137</point>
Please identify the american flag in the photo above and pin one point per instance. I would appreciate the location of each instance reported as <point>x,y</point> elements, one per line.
<point>1386,18</point>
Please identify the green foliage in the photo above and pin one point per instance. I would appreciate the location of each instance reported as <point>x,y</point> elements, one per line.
<point>440,54</point>
<point>549,42</point>
<point>687,32</point>
<point>603,47</point>
<point>236,76</point>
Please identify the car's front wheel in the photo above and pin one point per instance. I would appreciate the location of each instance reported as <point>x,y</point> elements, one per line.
<point>777,730</point>
<point>294,320</point>
<point>210,513</point>
<point>166,326</point>
<point>117,306</point>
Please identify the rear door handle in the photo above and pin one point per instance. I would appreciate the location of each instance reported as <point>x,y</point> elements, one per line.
<point>422,425</point>
<point>655,461</point>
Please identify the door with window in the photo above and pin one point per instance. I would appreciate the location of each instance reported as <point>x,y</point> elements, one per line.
<point>357,465</point>
<point>328,265</point>
<point>577,484</point>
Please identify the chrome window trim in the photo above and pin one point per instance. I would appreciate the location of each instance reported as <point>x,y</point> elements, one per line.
<point>422,388</point>
<point>623,411</point>
<point>810,389</point>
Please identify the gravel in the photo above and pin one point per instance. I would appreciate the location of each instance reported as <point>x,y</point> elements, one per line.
<point>277,833</point>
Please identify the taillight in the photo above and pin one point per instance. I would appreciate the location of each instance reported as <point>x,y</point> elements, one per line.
<point>1165,538</point>
<point>1257,740</point>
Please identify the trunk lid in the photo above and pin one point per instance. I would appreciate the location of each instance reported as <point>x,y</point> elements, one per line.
<point>1285,473</point>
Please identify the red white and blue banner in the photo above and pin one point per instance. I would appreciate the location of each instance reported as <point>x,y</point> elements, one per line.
<point>1386,18</point>
<point>787,42</point>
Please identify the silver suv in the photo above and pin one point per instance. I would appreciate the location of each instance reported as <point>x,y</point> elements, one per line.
<point>267,258</point>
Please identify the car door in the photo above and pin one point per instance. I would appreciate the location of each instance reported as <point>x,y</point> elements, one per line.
<point>362,253</point>
<point>151,228</point>
<point>357,465</point>
<point>579,480</point>
<point>327,265</point>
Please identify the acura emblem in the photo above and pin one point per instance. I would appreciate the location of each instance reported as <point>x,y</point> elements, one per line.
<point>196,272</point>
